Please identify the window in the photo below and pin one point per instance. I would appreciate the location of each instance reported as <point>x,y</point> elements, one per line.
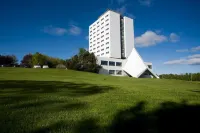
<point>97,38</point>
<point>107,47</point>
<point>119,72</point>
<point>104,62</point>
<point>98,42</point>
<point>107,24</point>
<point>90,38</point>
<point>102,19</point>
<point>98,51</point>
<point>118,64</point>
<point>98,46</point>
<point>107,38</point>
<point>94,36</point>
<point>98,22</point>
<point>97,30</point>
<point>102,40</point>
<point>107,29</point>
<point>90,42</point>
<point>94,48</point>
<point>150,66</point>
<point>107,43</point>
<point>107,33</point>
<point>102,32</point>
<point>107,52</point>
<point>102,27</point>
<point>90,31</point>
<point>102,45</point>
<point>94,29</point>
<point>98,26</point>
<point>90,46</point>
<point>107,20</point>
<point>94,44</point>
<point>102,23</point>
<point>90,27</point>
<point>98,55</point>
<point>102,36</point>
<point>106,15</point>
<point>91,35</point>
<point>111,71</point>
<point>94,32</point>
<point>90,49</point>
<point>97,34</point>
<point>102,49</point>
<point>102,54</point>
<point>111,63</point>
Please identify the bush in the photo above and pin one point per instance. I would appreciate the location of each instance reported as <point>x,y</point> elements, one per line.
<point>61,66</point>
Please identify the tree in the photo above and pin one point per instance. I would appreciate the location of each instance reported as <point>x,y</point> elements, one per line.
<point>27,61</point>
<point>83,61</point>
<point>8,60</point>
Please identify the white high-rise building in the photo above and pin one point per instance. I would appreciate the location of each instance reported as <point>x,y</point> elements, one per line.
<point>111,39</point>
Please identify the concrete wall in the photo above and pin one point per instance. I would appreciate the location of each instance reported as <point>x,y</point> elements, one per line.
<point>115,42</point>
<point>128,35</point>
<point>105,68</point>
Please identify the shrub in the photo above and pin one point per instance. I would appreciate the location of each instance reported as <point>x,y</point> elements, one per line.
<point>61,66</point>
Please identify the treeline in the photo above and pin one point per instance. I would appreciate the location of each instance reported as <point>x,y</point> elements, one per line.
<point>8,60</point>
<point>30,60</point>
<point>83,61</point>
<point>186,76</point>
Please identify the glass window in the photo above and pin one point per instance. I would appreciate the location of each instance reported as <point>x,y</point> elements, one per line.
<point>103,62</point>
<point>119,72</point>
<point>111,63</point>
<point>102,54</point>
<point>118,64</point>
<point>107,52</point>
<point>107,47</point>
<point>111,71</point>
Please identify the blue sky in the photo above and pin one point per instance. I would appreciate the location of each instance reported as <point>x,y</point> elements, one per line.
<point>167,32</point>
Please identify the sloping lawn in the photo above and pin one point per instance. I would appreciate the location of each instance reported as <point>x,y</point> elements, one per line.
<point>65,101</point>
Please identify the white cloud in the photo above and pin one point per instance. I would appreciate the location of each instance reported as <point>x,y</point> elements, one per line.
<point>158,31</point>
<point>87,37</point>
<point>54,30</point>
<point>182,50</point>
<point>122,10</point>
<point>149,38</point>
<point>194,56</point>
<point>195,49</point>
<point>174,38</point>
<point>190,60</point>
<point>74,30</point>
<point>145,2</point>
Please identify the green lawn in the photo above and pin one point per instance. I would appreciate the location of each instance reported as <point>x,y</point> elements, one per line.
<point>50,100</point>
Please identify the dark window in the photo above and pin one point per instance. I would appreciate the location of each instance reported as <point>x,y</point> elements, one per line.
<point>119,72</point>
<point>106,15</point>
<point>102,54</point>
<point>104,62</point>
<point>111,63</point>
<point>118,64</point>
<point>107,52</point>
<point>111,71</point>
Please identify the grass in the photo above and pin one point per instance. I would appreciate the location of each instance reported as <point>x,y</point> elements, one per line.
<point>50,100</point>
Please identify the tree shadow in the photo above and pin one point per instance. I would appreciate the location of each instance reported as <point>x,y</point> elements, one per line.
<point>168,118</point>
<point>73,89</point>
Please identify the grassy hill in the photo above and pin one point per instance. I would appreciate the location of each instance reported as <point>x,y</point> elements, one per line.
<point>50,100</point>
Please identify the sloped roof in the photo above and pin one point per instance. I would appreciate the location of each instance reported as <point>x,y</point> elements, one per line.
<point>135,66</point>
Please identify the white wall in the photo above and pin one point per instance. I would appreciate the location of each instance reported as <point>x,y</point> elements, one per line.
<point>115,41</point>
<point>128,36</point>
<point>105,68</point>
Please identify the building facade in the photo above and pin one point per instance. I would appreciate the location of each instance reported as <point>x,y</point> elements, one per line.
<point>111,39</point>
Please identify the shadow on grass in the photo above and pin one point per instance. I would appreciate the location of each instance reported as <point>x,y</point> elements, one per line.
<point>168,118</point>
<point>74,89</point>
